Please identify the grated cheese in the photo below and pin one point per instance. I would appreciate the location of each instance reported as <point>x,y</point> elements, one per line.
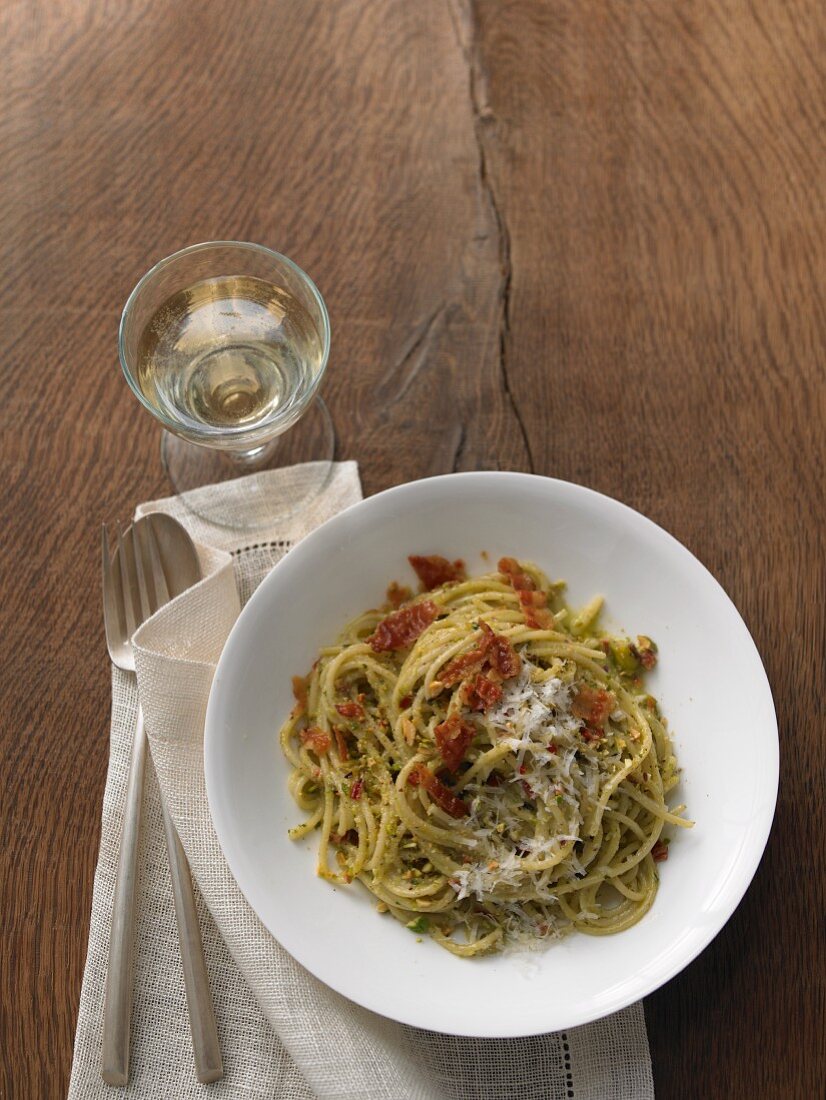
<point>559,772</point>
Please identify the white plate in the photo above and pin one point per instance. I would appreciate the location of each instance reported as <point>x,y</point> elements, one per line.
<point>710,681</point>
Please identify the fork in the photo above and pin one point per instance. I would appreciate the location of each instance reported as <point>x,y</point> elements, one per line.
<point>134,587</point>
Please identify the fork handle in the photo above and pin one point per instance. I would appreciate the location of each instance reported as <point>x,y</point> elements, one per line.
<point>117,1005</point>
<point>205,1044</point>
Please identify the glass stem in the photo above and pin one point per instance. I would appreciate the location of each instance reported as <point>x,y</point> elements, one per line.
<point>247,459</point>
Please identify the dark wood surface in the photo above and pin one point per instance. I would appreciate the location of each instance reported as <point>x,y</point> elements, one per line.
<point>575,237</point>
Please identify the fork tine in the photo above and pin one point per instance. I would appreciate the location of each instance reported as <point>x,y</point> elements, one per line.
<point>128,583</point>
<point>114,616</point>
<point>110,591</point>
<point>156,566</point>
<point>137,554</point>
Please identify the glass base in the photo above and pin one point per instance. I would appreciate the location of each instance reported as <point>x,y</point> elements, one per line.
<point>254,503</point>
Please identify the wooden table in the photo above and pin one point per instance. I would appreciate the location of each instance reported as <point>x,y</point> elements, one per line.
<point>573,237</point>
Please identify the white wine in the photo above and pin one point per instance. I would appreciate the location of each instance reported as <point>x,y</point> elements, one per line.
<point>230,352</point>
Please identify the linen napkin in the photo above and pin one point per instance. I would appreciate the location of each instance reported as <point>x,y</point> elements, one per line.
<point>283,1034</point>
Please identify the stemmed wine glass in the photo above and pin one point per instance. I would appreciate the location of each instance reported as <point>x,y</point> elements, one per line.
<point>225,343</point>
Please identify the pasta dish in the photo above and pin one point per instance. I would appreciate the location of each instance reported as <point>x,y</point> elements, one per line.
<point>486,761</point>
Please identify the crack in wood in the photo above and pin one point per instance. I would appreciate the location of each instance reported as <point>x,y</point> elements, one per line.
<point>482,116</point>
<point>459,450</point>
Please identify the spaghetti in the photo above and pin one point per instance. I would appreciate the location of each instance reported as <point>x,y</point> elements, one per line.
<point>486,761</point>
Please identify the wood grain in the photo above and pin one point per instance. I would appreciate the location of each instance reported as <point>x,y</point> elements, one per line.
<point>575,237</point>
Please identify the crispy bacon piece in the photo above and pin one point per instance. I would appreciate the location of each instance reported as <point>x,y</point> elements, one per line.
<point>645,651</point>
<point>316,738</point>
<point>492,649</point>
<point>593,705</point>
<point>357,788</point>
<point>350,837</point>
<point>531,597</point>
<point>466,664</point>
<point>341,742</point>
<point>534,603</point>
<point>534,606</point>
<point>453,737</point>
<point>350,710</point>
<point>300,693</point>
<point>482,693</point>
<point>397,594</point>
<point>503,657</point>
<point>648,658</point>
<point>433,570</point>
<point>403,627</point>
<point>660,852</point>
<point>517,577</point>
<point>537,617</point>
<point>422,776</point>
<point>405,702</point>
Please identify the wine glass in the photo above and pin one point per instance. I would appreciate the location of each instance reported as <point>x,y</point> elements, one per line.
<point>225,343</point>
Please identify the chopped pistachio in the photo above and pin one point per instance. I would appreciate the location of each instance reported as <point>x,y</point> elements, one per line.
<point>623,654</point>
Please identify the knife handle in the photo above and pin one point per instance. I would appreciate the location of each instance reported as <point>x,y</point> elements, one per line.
<point>205,1046</point>
<point>117,1004</point>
